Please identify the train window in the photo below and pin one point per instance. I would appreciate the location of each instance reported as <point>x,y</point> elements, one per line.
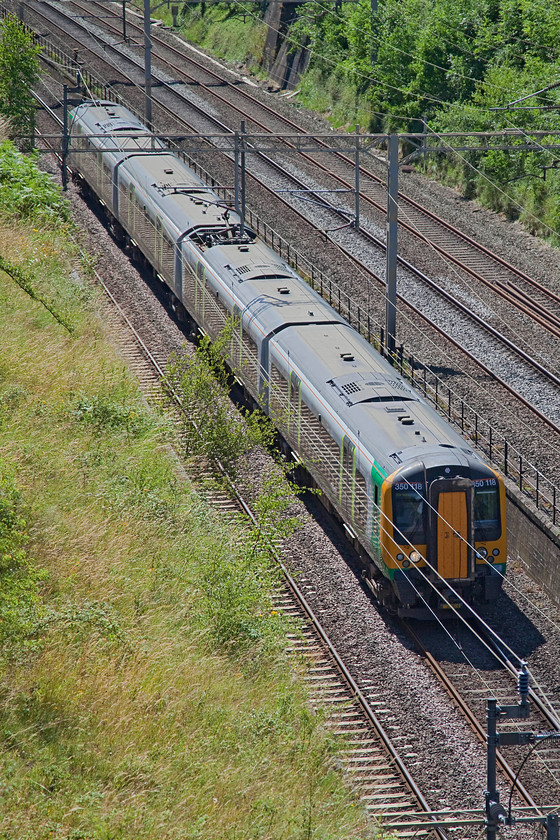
<point>487,524</point>
<point>360,506</point>
<point>131,199</point>
<point>409,517</point>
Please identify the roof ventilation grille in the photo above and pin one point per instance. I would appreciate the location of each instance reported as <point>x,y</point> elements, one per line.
<point>243,247</point>
<point>283,290</point>
<point>347,357</point>
<point>351,388</point>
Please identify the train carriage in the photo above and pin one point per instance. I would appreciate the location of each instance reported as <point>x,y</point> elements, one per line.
<point>427,512</point>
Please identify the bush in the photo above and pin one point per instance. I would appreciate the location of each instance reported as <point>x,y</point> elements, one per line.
<point>213,429</point>
<point>27,193</point>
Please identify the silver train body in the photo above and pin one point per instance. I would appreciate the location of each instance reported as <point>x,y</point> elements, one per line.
<point>427,512</point>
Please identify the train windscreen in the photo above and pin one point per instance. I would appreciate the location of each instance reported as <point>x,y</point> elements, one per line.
<point>487,525</point>
<point>409,518</point>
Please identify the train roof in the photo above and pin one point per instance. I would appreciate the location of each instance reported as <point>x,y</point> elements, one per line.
<point>113,127</point>
<point>359,390</point>
<point>179,195</point>
<point>169,184</point>
<point>269,292</point>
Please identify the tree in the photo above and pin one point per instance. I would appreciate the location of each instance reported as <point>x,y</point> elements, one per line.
<point>19,71</point>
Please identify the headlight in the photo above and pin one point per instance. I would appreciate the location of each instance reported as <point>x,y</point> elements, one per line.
<point>406,563</point>
<point>415,556</point>
<point>495,552</point>
<point>400,557</point>
<point>482,552</point>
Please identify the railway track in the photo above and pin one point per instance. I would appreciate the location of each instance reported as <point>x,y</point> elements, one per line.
<point>483,669</point>
<point>370,761</point>
<point>532,298</point>
<point>549,378</point>
<point>375,781</point>
<point>527,306</point>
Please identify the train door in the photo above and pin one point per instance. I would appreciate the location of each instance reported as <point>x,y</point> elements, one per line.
<point>451,528</point>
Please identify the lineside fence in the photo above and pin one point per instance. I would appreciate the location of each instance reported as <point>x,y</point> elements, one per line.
<point>503,455</point>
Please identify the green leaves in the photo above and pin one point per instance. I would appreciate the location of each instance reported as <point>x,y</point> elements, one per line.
<point>19,71</point>
<point>213,428</point>
<point>27,193</point>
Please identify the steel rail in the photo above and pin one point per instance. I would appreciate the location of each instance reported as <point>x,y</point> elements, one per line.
<point>356,692</point>
<point>373,276</point>
<point>363,267</point>
<point>420,275</point>
<point>368,712</point>
<point>486,370</point>
<point>463,707</point>
<point>549,715</point>
<point>516,297</point>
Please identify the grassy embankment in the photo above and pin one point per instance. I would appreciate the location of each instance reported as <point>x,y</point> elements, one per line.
<point>144,689</point>
<point>233,36</point>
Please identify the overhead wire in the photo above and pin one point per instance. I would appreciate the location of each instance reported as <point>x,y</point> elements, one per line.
<point>92,96</point>
<point>472,289</point>
<point>442,579</point>
<point>316,3</point>
<point>416,95</point>
<point>436,572</point>
<point>459,615</point>
<point>480,387</point>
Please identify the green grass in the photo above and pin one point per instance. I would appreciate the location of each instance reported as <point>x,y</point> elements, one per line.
<point>332,95</point>
<point>224,31</point>
<point>148,694</point>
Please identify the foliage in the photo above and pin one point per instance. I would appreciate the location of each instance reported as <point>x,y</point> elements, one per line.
<point>27,193</point>
<point>449,62</point>
<point>26,283</point>
<point>19,71</point>
<point>213,429</point>
<point>113,412</point>
<point>159,702</point>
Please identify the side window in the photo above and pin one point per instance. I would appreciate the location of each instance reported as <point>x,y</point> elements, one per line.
<point>131,200</point>
<point>278,393</point>
<point>158,240</point>
<point>360,511</point>
<point>348,457</point>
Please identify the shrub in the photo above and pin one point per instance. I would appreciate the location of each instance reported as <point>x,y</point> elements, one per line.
<point>27,193</point>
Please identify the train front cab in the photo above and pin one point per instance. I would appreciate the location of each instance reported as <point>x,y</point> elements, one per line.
<point>444,534</point>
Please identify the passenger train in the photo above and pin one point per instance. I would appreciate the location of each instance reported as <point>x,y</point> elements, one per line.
<point>427,513</point>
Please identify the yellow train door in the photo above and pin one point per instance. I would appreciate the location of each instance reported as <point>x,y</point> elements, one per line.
<point>451,526</point>
<point>452,535</point>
